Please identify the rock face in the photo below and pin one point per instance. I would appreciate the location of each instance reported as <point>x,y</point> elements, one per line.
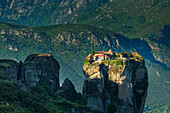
<point>37,69</point>
<point>68,90</point>
<point>117,87</point>
<point>9,68</point>
<point>40,69</point>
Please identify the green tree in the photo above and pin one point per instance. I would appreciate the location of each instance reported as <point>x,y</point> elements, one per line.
<point>91,58</point>
<point>93,53</point>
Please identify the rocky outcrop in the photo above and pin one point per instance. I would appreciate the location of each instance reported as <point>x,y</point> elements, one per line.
<point>116,85</point>
<point>9,68</point>
<point>68,90</point>
<point>75,39</point>
<point>37,69</point>
<point>40,69</point>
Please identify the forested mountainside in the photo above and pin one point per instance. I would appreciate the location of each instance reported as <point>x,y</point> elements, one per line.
<point>45,12</point>
<point>131,18</point>
<point>71,43</point>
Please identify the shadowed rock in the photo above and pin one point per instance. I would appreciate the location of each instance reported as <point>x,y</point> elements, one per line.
<point>37,69</point>
<point>40,69</point>
<point>68,90</point>
<point>9,69</point>
<point>117,87</point>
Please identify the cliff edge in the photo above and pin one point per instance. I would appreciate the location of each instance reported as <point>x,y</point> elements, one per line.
<point>115,82</point>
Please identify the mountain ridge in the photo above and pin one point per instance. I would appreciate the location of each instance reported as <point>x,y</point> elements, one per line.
<point>46,11</point>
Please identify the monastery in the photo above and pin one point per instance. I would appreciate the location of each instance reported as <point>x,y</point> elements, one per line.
<point>102,55</point>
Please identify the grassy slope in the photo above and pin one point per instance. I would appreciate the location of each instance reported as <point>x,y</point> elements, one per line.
<point>130,18</point>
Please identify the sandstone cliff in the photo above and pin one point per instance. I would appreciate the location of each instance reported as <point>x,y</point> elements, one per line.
<point>117,85</point>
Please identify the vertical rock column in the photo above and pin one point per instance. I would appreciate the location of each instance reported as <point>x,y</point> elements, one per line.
<point>40,69</point>
<point>120,88</point>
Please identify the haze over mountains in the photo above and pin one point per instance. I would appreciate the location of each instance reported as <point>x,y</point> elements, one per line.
<point>124,25</point>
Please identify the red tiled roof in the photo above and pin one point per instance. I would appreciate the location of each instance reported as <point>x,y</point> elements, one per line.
<point>99,56</point>
<point>101,52</point>
<point>104,53</point>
